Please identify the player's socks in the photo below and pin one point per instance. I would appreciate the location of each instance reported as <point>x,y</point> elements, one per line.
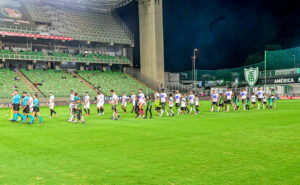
<point>88,111</point>
<point>41,120</point>
<point>258,106</point>
<point>14,117</point>
<point>85,111</point>
<point>31,119</point>
<point>24,118</point>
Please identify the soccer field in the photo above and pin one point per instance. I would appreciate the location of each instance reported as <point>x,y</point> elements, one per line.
<point>253,147</point>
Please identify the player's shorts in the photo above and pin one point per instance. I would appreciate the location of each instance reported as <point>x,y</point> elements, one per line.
<point>51,106</point>
<point>197,106</point>
<point>74,110</point>
<point>214,103</point>
<point>163,104</point>
<point>260,99</point>
<point>177,105</point>
<point>16,107</point>
<point>36,109</point>
<point>221,105</point>
<point>114,108</point>
<point>273,100</point>
<point>192,105</point>
<point>228,102</point>
<point>253,103</point>
<point>243,101</point>
<point>100,104</point>
<point>157,108</point>
<point>31,109</point>
<point>265,102</point>
<point>26,110</point>
<point>124,104</point>
<point>183,108</point>
<point>170,107</point>
<point>86,106</point>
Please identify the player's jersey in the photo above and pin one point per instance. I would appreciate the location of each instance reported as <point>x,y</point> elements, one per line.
<point>243,95</point>
<point>260,94</point>
<point>72,96</point>
<point>170,102</point>
<point>183,102</point>
<point>36,103</point>
<point>163,97</point>
<point>273,94</point>
<point>141,98</point>
<point>87,100</point>
<point>253,98</point>
<point>177,98</point>
<point>156,96</point>
<point>114,99</point>
<point>51,100</point>
<point>265,99</point>
<point>31,101</point>
<point>192,99</point>
<point>16,99</point>
<point>133,99</point>
<point>215,97</point>
<point>197,101</point>
<point>100,98</point>
<point>228,95</point>
<point>124,99</point>
<point>25,100</point>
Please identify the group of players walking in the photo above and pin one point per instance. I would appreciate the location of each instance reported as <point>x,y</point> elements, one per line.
<point>164,104</point>
<point>228,99</point>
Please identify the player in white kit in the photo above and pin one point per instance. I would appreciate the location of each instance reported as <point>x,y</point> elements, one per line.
<point>100,103</point>
<point>192,102</point>
<point>260,96</point>
<point>177,101</point>
<point>87,104</point>
<point>183,104</point>
<point>124,102</point>
<point>244,98</point>
<point>141,103</point>
<point>132,99</point>
<point>171,104</point>
<point>253,100</point>
<point>71,103</point>
<point>228,98</point>
<point>30,102</point>
<point>51,104</point>
<point>114,104</point>
<point>163,102</point>
<point>214,100</point>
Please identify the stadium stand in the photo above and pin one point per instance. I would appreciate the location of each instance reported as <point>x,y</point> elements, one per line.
<point>58,82</point>
<point>9,82</point>
<point>114,80</point>
<point>64,57</point>
<point>81,25</point>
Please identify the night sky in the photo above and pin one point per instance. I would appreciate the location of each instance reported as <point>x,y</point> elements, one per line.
<point>224,31</point>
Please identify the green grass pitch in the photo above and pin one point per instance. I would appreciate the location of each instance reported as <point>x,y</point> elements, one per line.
<point>254,147</point>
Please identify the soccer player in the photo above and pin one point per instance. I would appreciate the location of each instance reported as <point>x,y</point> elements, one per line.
<point>11,107</point>
<point>87,104</point>
<point>16,106</point>
<point>171,103</point>
<point>248,104</point>
<point>156,96</point>
<point>260,96</point>
<point>71,104</point>
<point>237,102</point>
<point>221,102</point>
<point>265,101</point>
<point>163,102</point>
<point>25,103</point>
<point>183,104</point>
<point>197,104</point>
<point>124,102</point>
<point>136,107</point>
<point>51,104</point>
<point>214,100</point>
<point>228,99</point>
<point>158,106</point>
<point>186,103</point>
<point>244,98</point>
<point>192,102</point>
<point>273,96</point>
<point>78,113</point>
<point>36,109</point>
<point>141,103</point>
<point>30,102</point>
<point>177,101</point>
<point>270,101</point>
<point>253,100</point>
<point>149,107</point>
<point>100,103</point>
<point>133,101</point>
<point>114,103</point>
